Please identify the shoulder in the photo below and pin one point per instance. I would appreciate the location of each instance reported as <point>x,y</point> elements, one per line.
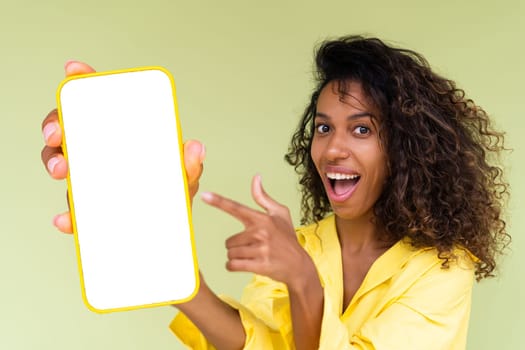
<point>426,268</point>
<point>426,257</point>
<point>320,230</point>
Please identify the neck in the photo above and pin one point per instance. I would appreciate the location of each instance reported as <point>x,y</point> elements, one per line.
<point>358,234</point>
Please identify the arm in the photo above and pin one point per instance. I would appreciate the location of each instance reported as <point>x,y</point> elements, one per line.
<point>265,315</point>
<point>306,307</point>
<point>268,246</point>
<point>218,322</point>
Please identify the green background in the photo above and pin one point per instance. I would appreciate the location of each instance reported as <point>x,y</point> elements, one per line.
<point>243,73</point>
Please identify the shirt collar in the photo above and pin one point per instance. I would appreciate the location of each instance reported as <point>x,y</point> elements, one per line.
<point>322,242</point>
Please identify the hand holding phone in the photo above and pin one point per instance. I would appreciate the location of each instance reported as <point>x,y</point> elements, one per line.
<point>132,222</point>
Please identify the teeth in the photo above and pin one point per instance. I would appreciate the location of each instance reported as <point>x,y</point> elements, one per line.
<point>339,176</point>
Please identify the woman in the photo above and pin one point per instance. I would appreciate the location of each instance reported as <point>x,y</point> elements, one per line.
<point>401,207</point>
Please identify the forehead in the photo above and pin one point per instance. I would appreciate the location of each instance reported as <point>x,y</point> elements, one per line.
<point>348,95</point>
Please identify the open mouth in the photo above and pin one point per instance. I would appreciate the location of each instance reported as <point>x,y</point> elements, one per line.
<point>342,183</point>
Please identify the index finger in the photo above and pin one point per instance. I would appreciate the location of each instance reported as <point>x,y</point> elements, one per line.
<point>239,211</point>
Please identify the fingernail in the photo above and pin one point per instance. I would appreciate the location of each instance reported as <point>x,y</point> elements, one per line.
<point>51,164</point>
<point>56,220</point>
<point>60,220</point>
<point>203,153</point>
<point>68,62</point>
<point>207,196</point>
<point>49,130</point>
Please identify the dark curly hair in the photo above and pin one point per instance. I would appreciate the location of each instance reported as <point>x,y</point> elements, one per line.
<point>444,187</point>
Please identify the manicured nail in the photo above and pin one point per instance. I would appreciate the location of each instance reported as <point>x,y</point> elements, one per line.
<point>68,62</point>
<point>60,220</point>
<point>51,164</point>
<point>56,220</point>
<point>49,130</point>
<point>207,196</point>
<point>258,178</point>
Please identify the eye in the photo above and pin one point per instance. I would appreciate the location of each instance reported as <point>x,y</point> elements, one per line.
<point>322,128</point>
<point>362,130</point>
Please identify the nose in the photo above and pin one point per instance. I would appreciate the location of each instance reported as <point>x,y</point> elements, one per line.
<point>338,147</point>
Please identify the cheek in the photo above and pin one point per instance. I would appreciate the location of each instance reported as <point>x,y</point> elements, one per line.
<point>315,153</point>
<point>377,163</point>
<point>382,170</point>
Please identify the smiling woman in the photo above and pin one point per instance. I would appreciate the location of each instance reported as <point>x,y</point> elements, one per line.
<point>402,210</point>
<point>441,189</point>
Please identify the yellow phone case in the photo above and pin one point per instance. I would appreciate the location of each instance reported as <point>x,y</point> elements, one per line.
<point>127,189</point>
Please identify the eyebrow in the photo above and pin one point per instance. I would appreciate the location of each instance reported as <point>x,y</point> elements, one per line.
<point>351,116</point>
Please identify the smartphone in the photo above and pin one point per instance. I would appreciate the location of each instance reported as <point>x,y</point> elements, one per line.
<point>127,189</point>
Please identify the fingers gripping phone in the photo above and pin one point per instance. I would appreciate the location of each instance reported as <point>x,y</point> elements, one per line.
<point>127,189</point>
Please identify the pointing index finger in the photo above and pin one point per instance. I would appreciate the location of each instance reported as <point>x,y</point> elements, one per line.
<point>239,211</point>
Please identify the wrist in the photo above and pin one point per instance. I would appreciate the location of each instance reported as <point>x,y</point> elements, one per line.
<point>306,279</point>
<point>202,294</point>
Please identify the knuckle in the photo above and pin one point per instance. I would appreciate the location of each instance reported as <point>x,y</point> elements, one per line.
<point>233,265</point>
<point>43,153</point>
<point>51,116</point>
<point>261,235</point>
<point>283,210</point>
<point>264,251</point>
<point>266,264</point>
<point>221,201</point>
<point>266,220</point>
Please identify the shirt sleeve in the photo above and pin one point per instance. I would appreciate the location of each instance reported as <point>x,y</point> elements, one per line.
<point>265,315</point>
<point>431,314</point>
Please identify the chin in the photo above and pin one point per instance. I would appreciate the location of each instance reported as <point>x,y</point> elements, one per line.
<point>351,214</point>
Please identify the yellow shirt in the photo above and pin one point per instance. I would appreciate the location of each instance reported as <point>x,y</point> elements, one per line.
<point>406,301</point>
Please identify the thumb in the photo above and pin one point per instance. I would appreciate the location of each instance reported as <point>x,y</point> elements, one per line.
<point>260,196</point>
<point>194,154</point>
<point>77,68</point>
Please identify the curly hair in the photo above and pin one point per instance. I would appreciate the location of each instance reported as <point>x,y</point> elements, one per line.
<point>444,188</point>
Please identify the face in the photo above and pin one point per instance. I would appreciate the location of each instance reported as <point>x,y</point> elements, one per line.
<point>347,152</point>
